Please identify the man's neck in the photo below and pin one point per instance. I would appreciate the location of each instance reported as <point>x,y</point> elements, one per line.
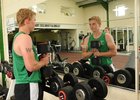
<point>24,29</point>
<point>97,34</point>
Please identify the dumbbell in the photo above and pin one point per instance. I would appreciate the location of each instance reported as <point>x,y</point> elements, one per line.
<point>125,77</point>
<point>68,68</point>
<point>42,49</point>
<point>54,84</point>
<point>66,93</point>
<point>95,44</point>
<point>78,69</point>
<point>94,89</point>
<point>7,68</point>
<point>100,71</point>
<point>108,78</point>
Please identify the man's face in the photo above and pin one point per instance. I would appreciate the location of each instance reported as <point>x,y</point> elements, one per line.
<point>94,26</point>
<point>32,23</point>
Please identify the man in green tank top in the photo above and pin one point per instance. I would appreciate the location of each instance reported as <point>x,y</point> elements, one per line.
<point>25,61</point>
<point>107,48</point>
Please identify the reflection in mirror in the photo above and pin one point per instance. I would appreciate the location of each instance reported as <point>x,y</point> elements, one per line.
<point>68,37</point>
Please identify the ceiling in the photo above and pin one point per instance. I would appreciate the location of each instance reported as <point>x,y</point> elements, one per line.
<point>85,3</point>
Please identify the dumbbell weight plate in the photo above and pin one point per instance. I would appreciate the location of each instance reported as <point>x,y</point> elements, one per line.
<point>46,71</point>
<point>88,69</point>
<point>98,72</point>
<point>68,68</point>
<point>96,61</point>
<point>56,83</point>
<point>108,78</point>
<point>77,69</point>
<point>83,91</point>
<point>66,93</point>
<point>132,71</point>
<point>70,79</point>
<point>122,78</point>
<point>108,69</point>
<point>99,87</point>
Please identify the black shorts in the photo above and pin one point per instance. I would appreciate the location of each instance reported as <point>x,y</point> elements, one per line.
<point>29,91</point>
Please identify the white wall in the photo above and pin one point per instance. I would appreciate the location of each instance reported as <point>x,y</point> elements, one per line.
<point>114,21</point>
<point>54,15</point>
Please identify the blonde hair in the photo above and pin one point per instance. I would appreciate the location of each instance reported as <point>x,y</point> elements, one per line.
<point>96,18</point>
<point>24,13</point>
<point>107,28</point>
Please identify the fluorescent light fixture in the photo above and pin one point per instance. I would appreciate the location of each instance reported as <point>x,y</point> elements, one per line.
<point>120,10</point>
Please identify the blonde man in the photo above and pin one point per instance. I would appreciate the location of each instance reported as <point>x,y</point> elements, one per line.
<point>107,48</point>
<point>26,64</point>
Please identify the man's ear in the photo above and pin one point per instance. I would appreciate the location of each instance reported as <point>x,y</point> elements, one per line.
<point>27,21</point>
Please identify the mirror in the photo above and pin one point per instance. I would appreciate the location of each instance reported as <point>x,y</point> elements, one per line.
<point>66,36</point>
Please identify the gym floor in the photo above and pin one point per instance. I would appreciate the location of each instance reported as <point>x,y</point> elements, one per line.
<point>119,61</point>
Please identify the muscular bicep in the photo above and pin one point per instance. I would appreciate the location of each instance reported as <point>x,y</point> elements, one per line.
<point>27,52</point>
<point>110,42</point>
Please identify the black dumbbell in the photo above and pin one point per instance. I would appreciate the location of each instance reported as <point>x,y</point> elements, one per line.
<point>108,78</point>
<point>95,44</point>
<point>56,83</point>
<point>78,69</point>
<point>93,89</point>
<point>7,68</point>
<point>66,93</point>
<point>68,68</point>
<point>123,78</point>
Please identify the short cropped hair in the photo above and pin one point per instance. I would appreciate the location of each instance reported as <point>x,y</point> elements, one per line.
<point>96,18</point>
<point>107,28</point>
<point>23,14</point>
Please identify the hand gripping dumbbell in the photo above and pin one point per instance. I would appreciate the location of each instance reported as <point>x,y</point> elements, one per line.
<point>78,68</point>
<point>47,73</point>
<point>66,93</point>
<point>94,89</point>
<point>95,44</point>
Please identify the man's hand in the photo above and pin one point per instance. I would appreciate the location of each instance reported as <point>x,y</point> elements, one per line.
<point>45,59</point>
<point>96,52</point>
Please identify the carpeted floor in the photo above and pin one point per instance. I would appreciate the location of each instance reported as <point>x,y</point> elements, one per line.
<point>119,61</point>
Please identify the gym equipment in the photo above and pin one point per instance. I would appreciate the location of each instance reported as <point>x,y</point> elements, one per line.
<point>100,71</point>
<point>54,84</point>
<point>108,78</point>
<point>93,89</point>
<point>57,62</point>
<point>7,68</point>
<point>95,44</point>
<point>51,81</point>
<point>126,77</point>
<point>78,68</point>
<point>66,93</point>
<point>123,77</point>
<point>3,92</point>
<point>68,68</point>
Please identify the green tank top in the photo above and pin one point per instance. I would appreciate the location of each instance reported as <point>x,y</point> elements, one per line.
<point>103,48</point>
<point>20,72</point>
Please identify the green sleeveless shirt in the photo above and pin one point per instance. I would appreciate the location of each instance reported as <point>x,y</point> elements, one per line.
<point>20,72</point>
<point>103,48</point>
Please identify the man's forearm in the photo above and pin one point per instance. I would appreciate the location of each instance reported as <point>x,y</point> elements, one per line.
<point>86,54</point>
